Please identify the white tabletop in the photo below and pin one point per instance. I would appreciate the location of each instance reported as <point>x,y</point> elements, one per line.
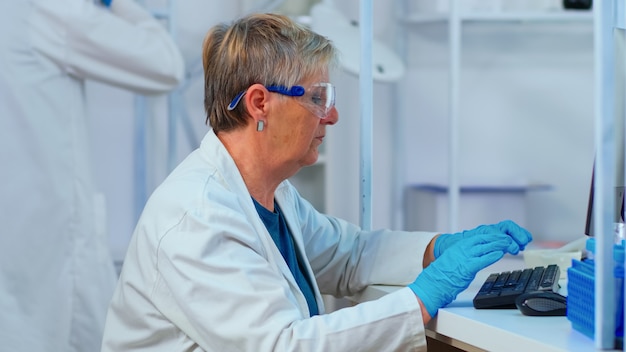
<point>461,325</point>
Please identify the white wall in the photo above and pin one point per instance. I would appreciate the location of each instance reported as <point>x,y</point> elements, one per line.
<point>526,114</point>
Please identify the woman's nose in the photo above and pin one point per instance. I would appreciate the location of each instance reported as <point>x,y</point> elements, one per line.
<point>332,117</point>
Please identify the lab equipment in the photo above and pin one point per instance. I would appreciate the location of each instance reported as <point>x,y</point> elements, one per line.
<point>581,293</point>
<point>500,290</point>
<point>520,236</point>
<point>542,303</point>
<point>446,277</point>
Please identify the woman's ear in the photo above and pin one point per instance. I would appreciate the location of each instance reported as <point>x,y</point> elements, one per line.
<point>257,103</point>
<point>256,100</point>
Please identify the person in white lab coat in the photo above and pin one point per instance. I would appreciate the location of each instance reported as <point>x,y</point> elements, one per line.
<point>56,272</point>
<point>227,256</point>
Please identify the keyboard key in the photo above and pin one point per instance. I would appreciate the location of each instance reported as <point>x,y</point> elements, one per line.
<point>535,279</point>
<point>491,280</point>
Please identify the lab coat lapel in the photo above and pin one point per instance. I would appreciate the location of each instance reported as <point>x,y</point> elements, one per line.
<point>213,148</point>
<point>290,217</point>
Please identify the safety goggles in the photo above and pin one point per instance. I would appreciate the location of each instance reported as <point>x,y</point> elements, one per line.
<point>319,98</point>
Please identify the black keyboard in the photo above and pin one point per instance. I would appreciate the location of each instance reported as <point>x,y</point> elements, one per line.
<point>501,289</point>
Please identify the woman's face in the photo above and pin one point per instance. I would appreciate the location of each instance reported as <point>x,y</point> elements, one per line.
<point>298,131</point>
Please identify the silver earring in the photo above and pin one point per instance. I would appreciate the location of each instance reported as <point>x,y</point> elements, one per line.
<point>259,126</point>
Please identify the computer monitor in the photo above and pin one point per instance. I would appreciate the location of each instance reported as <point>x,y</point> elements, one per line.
<point>619,211</point>
<point>589,221</point>
<point>617,136</point>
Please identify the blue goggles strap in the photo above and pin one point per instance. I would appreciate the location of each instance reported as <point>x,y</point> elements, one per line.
<point>235,101</point>
<point>295,91</point>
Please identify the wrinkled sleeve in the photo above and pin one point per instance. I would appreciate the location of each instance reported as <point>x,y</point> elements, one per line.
<point>346,259</point>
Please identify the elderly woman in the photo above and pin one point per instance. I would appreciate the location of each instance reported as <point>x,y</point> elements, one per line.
<point>227,256</point>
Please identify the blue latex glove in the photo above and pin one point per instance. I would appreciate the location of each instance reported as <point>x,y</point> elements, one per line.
<point>106,3</point>
<point>450,274</point>
<point>521,237</point>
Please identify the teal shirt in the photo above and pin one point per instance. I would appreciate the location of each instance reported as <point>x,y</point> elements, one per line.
<point>278,229</point>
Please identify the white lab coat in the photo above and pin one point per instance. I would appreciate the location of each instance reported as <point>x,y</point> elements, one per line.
<point>203,274</point>
<point>56,274</point>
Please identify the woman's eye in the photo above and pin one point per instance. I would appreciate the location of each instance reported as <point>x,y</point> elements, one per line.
<point>317,100</point>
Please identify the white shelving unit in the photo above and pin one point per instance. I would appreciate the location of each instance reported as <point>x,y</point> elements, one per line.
<point>609,82</point>
<point>452,26</point>
<point>605,16</point>
<point>501,16</point>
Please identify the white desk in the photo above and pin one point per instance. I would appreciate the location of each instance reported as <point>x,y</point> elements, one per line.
<point>462,326</point>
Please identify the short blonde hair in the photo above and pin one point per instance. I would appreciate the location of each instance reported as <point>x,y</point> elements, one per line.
<point>269,49</point>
